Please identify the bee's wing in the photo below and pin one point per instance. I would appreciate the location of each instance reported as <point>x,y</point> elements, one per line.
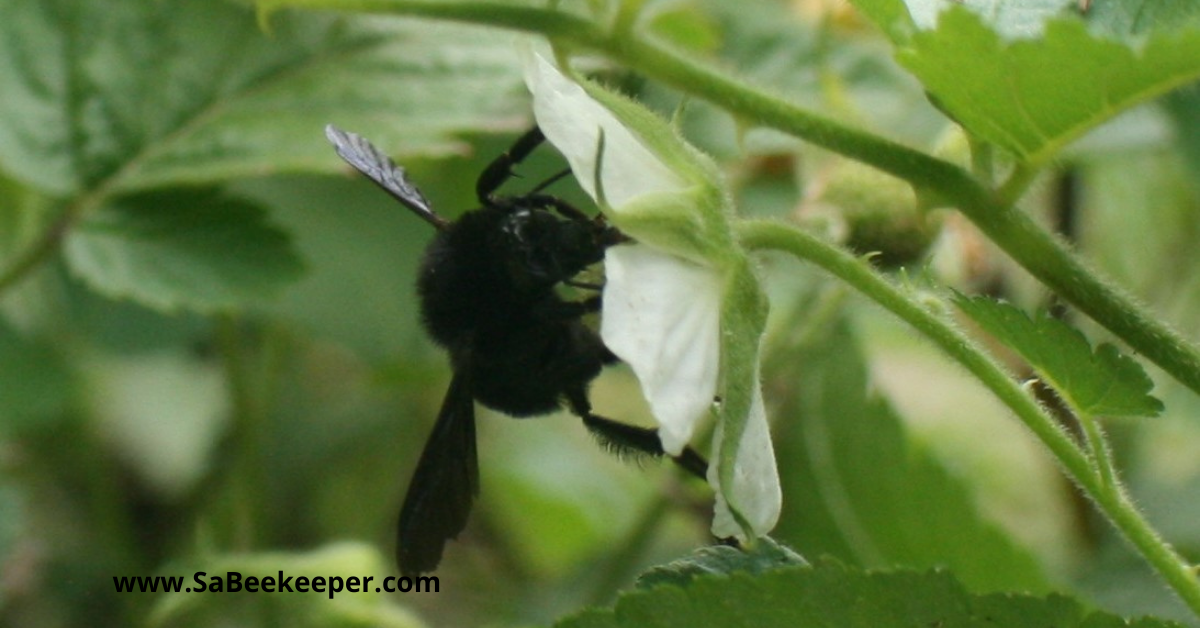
<point>444,485</point>
<point>380,168</point>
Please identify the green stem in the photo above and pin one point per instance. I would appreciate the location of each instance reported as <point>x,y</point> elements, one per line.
<point>1015,185</point>
<point>982,160</point>
<point>252,363</point>
<point>242,477</point>
<point>1098,445</point>
<point>1107,494</point>
<point>1038,251</point>
<point>45,246</point>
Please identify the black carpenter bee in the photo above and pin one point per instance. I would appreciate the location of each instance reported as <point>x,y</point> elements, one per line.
<point>488,287</point>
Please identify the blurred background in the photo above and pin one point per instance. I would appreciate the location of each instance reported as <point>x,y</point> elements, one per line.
<point>212,360</point>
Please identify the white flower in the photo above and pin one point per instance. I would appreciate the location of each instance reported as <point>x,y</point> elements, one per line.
<point>662,316</point>
<point>682,305</point>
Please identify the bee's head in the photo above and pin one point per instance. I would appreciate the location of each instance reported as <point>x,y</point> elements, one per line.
<point>546,249</point>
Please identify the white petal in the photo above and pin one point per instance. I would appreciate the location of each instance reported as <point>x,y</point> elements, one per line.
<point>662,316</point>
<point>755,479</point>
<point>571,121</point>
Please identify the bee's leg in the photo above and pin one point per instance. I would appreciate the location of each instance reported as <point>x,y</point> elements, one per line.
<point>561,174</point>
<point>500,170</point>
<point>564,209</point>
<point>626,440</point>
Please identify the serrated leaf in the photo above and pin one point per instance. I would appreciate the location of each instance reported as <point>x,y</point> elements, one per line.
<point>1133,17</point>
<point>150,94</point>
<point>858,488</point>
<point>1033,88</point>
<point>173,250</point>
<point>1033,97</point>
<point>1012,19</point>
<point>1100,383</point>
<point>830,594</point>
<point>766,555</point>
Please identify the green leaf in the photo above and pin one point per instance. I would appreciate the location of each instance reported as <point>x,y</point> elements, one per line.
<point>182,250</point>
<point>1033,87</point>
<point>1012,19</point>
<point>766,555</point>
<point>1133,17</point>
<point>830,594</point>
<point>1033,97</point>
<point>138,94</point>
<point>35,385</point>
<point>893,16</point>
<point>858,488</point>
<point>1103,383</point>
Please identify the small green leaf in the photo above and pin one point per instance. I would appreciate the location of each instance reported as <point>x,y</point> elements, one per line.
<point>830,594</point>
<point>1103,383</point>
<point>192,250</point>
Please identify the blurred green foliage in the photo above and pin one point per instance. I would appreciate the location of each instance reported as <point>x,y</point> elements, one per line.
<point>214,360</point>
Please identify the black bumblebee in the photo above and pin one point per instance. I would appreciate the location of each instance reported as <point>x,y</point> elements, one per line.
<point>488,291</point>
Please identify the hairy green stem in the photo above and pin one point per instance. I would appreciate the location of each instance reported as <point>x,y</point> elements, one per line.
<point>1034,248</point>
<point>1015,185</point>
<point>1098,445</point>
<point>1089,475</point>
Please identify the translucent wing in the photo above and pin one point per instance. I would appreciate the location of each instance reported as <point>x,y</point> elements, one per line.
<point>380,168</point>
<point>444,485</point>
